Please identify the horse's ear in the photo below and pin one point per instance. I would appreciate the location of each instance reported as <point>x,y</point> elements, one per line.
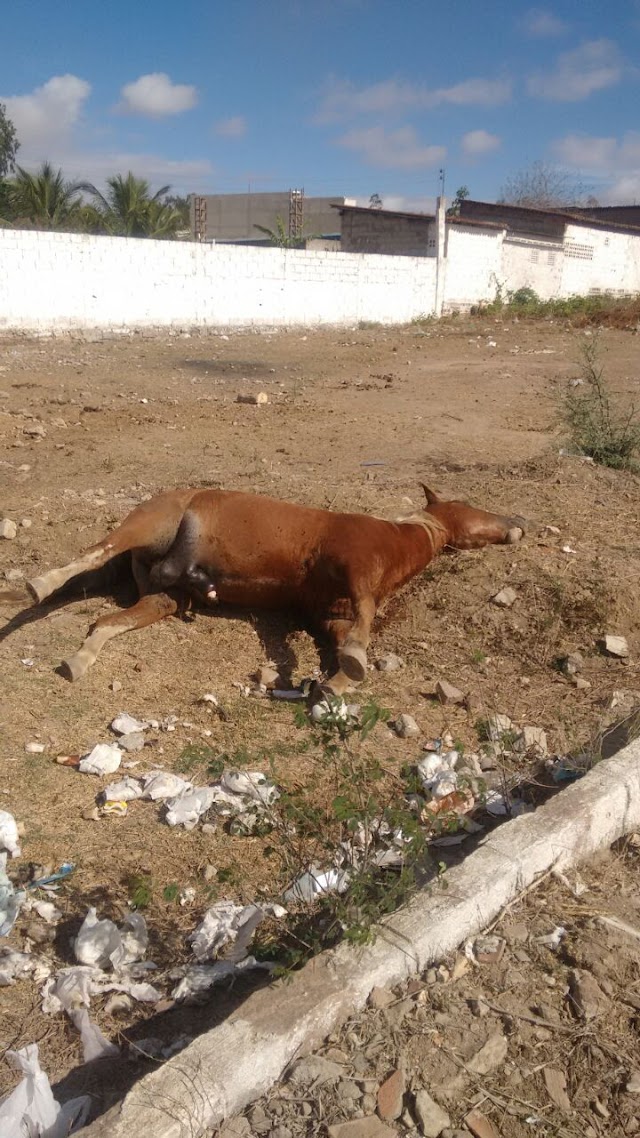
<point>432,498</point>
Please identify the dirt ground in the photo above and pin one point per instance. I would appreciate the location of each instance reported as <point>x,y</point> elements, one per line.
<point>356,419</point>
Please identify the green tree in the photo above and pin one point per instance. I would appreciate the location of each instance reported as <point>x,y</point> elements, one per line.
<point>375,201</point>
<point>8,143</point>
<point>461,194</point>
<point>279,236</point>
<point>129,209</point>
<point>45,199</point>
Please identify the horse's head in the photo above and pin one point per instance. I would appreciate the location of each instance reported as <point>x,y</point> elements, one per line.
<point>468,528</point>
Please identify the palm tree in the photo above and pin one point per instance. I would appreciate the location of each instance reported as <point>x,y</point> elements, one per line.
<point>45,198</point>
<point>281,238</point>
<point>128,209</point>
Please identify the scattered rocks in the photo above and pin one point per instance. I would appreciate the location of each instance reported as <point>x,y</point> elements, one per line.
<point>316,1070</point>
<point>8,529</point>
<point>391,1096</point>
<point>533,739</point>
<point>488,949</point>
<point>479,1125</point>
<point>492,1055</point>
<point>431,1118</point>
<point>370,1127</point>
<point>505,598</point>
<point>406,727</point>
<point>615,646</point>
<point>498,725</point>
<point>586,995</point>
<point>556,1083</point>
<point>447,693</point>
<point>380,998</point>
<point>34,431</point>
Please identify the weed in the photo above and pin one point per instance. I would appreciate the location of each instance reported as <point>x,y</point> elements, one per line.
<point>597,424</point>
<point>478,656</point>
<point>194,755</point>
<point>170,892</point>
<point>581,311</point>
<point>140,891</point>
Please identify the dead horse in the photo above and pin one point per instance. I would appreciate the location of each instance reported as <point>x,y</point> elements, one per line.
<point>258,552</point>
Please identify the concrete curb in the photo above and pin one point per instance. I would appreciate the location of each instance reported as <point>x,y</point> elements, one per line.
<point>226,1068</point>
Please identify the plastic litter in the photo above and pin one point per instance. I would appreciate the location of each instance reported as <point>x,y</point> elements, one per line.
<point>164,784</point>
<point>227,924</point>
<point>31,1111</point>
<point>15,965</point>
<point>94,1044</point>
<point>105,758</point>
<point>315,882</point>
<point>45,909</point>
<point>49,882</point>
<point>125,724</point>
<point>100,942</point>
<point>553,939</point>
<point>9,834</point>
<point>127,789</point>
<point>253,785</point>
<point>10,899</point>
<point>437,773</point>
<point>187,808</point>
<point>196,978</point>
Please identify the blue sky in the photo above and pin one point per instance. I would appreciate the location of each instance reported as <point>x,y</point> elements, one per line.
<point>345,97</point>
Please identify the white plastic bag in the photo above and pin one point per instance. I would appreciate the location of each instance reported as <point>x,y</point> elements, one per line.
<point>31,1111</point>
<point>105,758</point>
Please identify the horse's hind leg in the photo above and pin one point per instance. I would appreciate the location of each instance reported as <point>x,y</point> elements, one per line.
<point>148,610</point>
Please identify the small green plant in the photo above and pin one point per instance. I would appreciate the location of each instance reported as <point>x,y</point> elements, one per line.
<point>597,424</point>
<point>170,892</point>
<point>140,891</point>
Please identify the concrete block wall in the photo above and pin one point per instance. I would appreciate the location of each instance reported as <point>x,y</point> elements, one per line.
<point>473,266</point>
<point>56,282</point>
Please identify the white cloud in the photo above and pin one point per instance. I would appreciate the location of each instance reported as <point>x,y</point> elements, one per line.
<point>615,163</point>
<point>48,113</point>
<point>343,100</point>
<point>234,127</point>
<point>591,67</point>
<point>184,176</point>
<point>399,149</point>
<point>476,143</point>
<point>542,23</point>
<point>156,96</point>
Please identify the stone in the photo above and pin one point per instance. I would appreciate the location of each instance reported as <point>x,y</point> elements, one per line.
<point>210,873</point>
<point>533,740</point>
<point>406,727</point>
<point>498,726</point>
<point>505,598</point>
<point>269,677</point>
<point>492,1055</point>
<point>280,1132</point>
<point>616,646</point>
<point>478,1007</point>
<point>391,1096</point>
<point>134,741</point>
<point>489,949</point>
<point>35,748</point>
<point>581,684</point>
<point>556,1083</point>
<point>314,1069</point>
<point>8,529</point>
<point>369,1127</point>
<point>479,1125</point>
<point>115,685</point>
<point>632,1085</point>
<point>256,400</point>
<point>380,998</point>
<point>34,431</point>
<point>348,1089</point>
<point>26,523</point>
<point>368,1103</point>
<point>431,1118</point>
<point>572,663</point>
<point>586,995</point>
<point>389,662</point>
<point>13,575</point>
<point>447,693</point>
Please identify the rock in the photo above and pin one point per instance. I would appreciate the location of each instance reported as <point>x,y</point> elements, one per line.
<point>34,431</point>
<point>368,1103</point>
<point>505,598</point>
<point>406,727</point>
<point>479,1125</point>
<point>581,684</point>
<point>447,693</point>
<point>35,748</point>
<point>490,1056</point>
<point>396,1014</point>
<point>348,1089</point>
<point>8,529</point>
<point>586,995</point>
<point>616,646</point>
<point>572,664</point>
<point>380,998</point>
<point>280,1132</point>
<point>134,741</point>
<point>389,662</point>
<point>632,1085</point>
<point>26,523</point>
<point>115,685</point>
<point>407,1120</point>
<point>556,1084</point>
<point>533,739</point>
<point>314,1069</point>
<point>118,1003</point>
<point>478,1007</point>
<point>257,400</point>
<point>239,1127</point>
<point>488,949</point>
<point>370,1127</point>
<point>432,1119</point>
<point>13,575</point>
<point>267,676</point>
<point>498,725</point>
<point>391,1096</point>
<point>210,873</point>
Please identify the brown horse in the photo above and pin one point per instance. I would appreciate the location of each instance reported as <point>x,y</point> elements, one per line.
<point>257,552</point>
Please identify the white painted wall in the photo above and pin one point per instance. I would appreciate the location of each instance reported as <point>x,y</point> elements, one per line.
<point>57,282</point>
<point>52,282</point>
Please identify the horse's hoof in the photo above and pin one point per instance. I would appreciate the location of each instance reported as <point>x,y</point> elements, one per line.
<point>353,662</point>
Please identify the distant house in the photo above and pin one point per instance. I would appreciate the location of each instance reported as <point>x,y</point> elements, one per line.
<point>233,217</point>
